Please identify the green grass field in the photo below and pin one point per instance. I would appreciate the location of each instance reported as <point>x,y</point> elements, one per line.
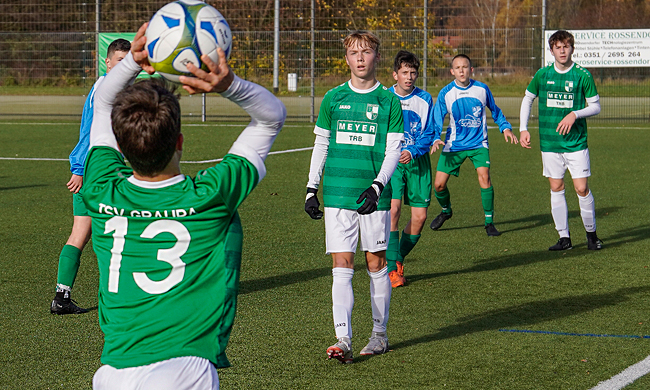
<point>447,327</point>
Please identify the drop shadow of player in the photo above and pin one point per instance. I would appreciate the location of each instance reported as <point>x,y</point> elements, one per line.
<point>526,314</point>
<point>531,221</point>
<point>621,237</point>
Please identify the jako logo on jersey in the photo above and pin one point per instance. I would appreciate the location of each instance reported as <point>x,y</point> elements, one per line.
<point>381,242</point>
<point>344,107</point>
<point>372,111</point>
<point>551,82</point>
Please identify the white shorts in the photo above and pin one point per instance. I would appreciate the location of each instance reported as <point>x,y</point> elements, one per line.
<point>556,164</point>
<point>182,373</point>
<point>342,228</point>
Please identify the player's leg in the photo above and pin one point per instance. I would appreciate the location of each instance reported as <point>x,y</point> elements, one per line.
<point>341,235</point>
<point>481,159</point>
<point>442,193</point>
<point>418,197</point>
<point>374,231</point>
<point>182,373</point>
<point>69,260</point>
<point>554,166</point>
<point>579,165</point>
<point>393,257</point>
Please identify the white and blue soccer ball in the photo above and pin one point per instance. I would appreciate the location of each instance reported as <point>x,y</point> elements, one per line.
<point>180,32</point>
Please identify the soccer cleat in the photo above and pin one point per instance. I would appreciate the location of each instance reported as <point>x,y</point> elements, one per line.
<point>491,230</point>
<point>396,280</point>
<point>439,220</point>
<point>593,242</point>
<point>564,243</point>
<point>62,306</point>
<point>400,268</point>
<point>341,351</point>
<point>378,344</point>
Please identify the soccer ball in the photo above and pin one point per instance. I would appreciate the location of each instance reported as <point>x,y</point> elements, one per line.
<point>180,32</point>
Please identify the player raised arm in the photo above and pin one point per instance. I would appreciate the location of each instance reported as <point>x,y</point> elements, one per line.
<point>101,132</point>
<point>267,111</point>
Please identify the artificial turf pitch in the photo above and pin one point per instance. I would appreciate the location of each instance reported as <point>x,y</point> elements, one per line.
<point>478,312</point>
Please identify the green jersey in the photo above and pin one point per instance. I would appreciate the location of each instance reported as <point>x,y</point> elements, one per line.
<point>357,124</point>
<point>160,246</point>
<point>559,94</point>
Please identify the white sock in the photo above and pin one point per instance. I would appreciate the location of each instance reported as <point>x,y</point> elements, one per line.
<point>588,211</point>
<point>560,213</point>
<point>342,301</point>
<point>380,290</point>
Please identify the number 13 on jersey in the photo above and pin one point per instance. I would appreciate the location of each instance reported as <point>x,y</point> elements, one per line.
<point>119,227</point>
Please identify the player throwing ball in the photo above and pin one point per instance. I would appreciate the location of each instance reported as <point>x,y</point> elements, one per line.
<point>465,101</point>
<point>563,88</point>
<point>168,246</point>
<point>412,178</point>
<point>358,137</point>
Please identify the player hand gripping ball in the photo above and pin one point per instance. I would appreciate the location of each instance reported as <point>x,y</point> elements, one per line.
<point>371,196</point>
<point>312,204</point>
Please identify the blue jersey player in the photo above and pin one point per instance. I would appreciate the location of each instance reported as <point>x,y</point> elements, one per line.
<point>69,259</point>
<point>465,101</point>
<point>412,177</point>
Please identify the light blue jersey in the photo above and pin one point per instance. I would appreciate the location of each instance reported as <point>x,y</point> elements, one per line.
<point>467,117</point>
<point>417,109</point>
<point>78,155</point>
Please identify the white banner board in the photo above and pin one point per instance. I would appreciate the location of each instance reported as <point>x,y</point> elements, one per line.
<point>607,48</point>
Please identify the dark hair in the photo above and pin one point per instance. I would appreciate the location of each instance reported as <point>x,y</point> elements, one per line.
<point>406,58</point>
<point>118,45</point>
<point>465,56</point>
<point>146,120</point>
<point>561,36</point>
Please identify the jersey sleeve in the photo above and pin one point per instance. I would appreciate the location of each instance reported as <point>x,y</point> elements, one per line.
<point>497,114</point>
<point>232,180</point>
<point>324,122</point>
<point>589,85</point>
<point>396,124</point>
<point>103,164</point>
<point>425,138</point>
<point>79,153</point>
<point>533,87</point>
<point>439,113</point>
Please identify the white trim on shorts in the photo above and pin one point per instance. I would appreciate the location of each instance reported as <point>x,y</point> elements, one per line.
<point>556,164</point>
<point>342,228</point>
<point>181,373</point>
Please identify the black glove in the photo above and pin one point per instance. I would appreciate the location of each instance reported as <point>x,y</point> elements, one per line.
<point>312,204</point>
<point>371,196</point>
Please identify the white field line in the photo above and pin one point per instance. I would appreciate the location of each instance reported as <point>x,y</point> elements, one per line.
<point>182,162</point>
<point>626,376</point>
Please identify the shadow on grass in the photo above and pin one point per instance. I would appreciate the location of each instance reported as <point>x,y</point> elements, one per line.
<point>22,187</point>
<point>534,221</point>
<point>526,314</point>
<point>622,237</point>
<point>271,282</point>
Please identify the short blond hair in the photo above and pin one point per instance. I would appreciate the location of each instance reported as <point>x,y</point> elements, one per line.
<point>362,38</point>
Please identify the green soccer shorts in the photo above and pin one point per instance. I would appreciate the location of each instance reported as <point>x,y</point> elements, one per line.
<point>413,182</point>
<point>78,207</point>
<point>450,162</point>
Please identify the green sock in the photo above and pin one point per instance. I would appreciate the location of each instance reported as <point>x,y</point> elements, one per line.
<point>392,253</point>
<point>69,261</point>
<point>487,197</point>
<point>407,243</point>
<point>444,199</point>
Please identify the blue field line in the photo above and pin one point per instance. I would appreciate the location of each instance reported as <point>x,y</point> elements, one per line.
<point>574,334</point>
